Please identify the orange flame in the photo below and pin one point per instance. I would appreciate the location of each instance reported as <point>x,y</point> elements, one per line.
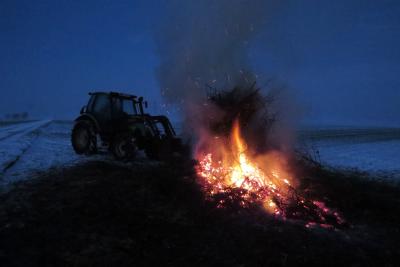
<point>228,164</point>
<point>236,168</point>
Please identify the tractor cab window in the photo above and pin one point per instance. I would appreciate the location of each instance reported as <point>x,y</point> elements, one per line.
<point>101,110</point>
<point>116,107</point>
<point>101,104</point>
<point>90,104</point>
<point>128,107</point>
<point>122,107</point>
<point>160,128</point>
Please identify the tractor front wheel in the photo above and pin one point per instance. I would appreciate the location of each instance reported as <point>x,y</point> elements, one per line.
<point>124,146</point>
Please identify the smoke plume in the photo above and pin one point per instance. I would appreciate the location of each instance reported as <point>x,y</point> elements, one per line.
<point>205,43</point>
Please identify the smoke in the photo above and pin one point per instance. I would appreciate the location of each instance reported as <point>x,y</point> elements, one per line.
<point>205,43</point>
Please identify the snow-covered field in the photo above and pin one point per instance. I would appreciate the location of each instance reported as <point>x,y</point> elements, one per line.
<point>15,140</point>
<point>38,146</point>
<point>374,150</point>
<point>35,146</point>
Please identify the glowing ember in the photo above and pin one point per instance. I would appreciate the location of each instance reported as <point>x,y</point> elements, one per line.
<point>265,180</point>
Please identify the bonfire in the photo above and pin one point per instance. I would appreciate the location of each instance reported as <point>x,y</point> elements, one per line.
<point>231,170</point>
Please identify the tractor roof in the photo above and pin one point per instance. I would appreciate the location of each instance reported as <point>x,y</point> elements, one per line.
<point>115,94</point>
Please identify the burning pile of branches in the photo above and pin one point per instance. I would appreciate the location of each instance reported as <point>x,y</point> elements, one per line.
<point>247,106</point>
<point>235,172</point>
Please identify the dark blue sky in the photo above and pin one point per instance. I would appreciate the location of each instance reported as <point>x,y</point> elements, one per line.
<point>340,58</point>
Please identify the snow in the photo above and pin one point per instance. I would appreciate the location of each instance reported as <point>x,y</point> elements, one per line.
<point>374,150</point>
<point>49,148</point>
<point>38,147</point>
<point>15,140</point>
<point>28,148</point>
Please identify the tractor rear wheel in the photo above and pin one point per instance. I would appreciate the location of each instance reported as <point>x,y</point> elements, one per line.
<point>83,138</point>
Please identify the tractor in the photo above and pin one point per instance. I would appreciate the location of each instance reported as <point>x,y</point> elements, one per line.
<point>118,120</point>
